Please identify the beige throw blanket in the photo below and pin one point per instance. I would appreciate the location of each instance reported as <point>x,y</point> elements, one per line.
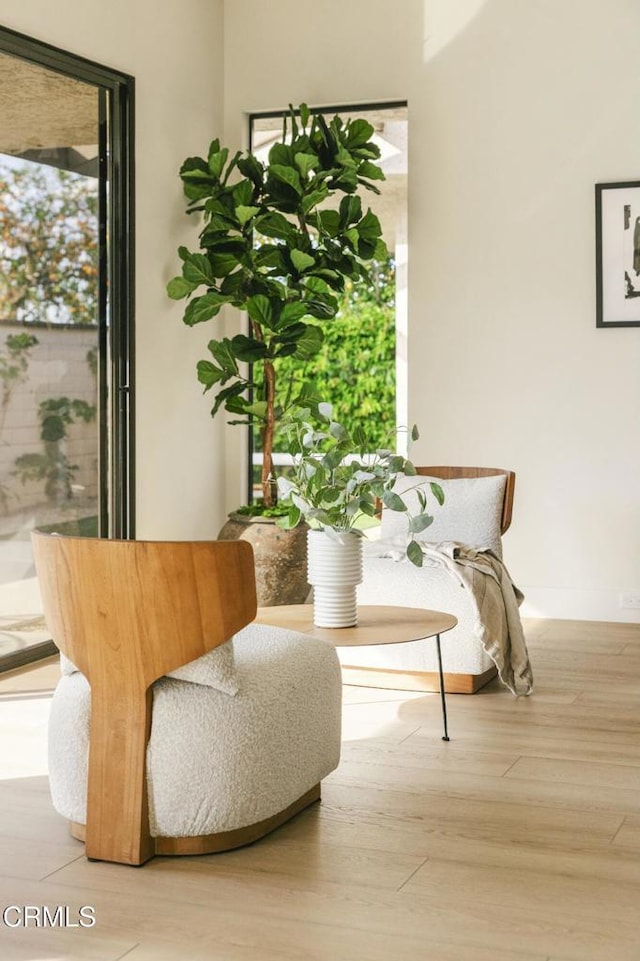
<point>496,600</point>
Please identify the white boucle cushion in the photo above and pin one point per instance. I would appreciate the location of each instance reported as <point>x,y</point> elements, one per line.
<point>217,763</point>
<point>471,512</point>
<point>214,669</point>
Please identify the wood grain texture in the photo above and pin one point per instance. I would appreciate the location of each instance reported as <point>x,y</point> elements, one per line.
<point>427,681</point>
<point>376,624</point>
<point>127,612</point>
<point>420,849</point>
<point>224,840</point>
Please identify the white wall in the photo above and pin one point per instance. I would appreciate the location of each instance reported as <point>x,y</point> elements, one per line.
<point>174,51</point>
<point>516,110</point>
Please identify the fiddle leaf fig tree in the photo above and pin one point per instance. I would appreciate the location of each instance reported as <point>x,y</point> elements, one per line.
<point>278,240</point>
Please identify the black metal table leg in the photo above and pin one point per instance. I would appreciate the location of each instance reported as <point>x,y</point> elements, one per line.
<point>442,692</point>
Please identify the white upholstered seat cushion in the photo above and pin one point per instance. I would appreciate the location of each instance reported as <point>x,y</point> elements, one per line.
<point>217,763</point>
<point>388,581</point>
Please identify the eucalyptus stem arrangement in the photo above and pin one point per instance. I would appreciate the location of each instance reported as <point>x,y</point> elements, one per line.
<point>336,480</point>
<point>279,240</point>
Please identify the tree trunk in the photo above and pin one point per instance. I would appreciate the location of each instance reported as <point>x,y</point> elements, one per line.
<point>268,481</point>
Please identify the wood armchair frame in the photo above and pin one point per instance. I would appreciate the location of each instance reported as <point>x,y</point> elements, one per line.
<point>126,613</point>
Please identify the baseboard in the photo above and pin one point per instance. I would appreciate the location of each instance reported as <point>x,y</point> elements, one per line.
<point>576,604</point>
<point>427,681</point>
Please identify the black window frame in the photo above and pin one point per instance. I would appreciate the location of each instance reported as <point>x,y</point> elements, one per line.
<point>116,301</point>
<point>337,109</point>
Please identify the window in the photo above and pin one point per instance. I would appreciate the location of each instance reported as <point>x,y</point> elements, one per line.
<point>361,368</point>
<point>65,316</point>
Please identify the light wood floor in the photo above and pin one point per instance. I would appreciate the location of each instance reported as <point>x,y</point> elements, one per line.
<point>517,841</point>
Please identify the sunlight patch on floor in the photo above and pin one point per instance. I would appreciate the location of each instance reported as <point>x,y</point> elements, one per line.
<point>24,717</point>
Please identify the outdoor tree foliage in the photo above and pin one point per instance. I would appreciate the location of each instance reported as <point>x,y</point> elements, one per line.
<point>48,245</point>
<point>355,365</point>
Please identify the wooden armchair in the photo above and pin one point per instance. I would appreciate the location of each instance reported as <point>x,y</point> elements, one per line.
<point>127,613</point>
<point>475,513</point>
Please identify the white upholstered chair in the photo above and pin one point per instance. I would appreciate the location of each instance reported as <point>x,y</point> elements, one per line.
<point>476,511</point>
<point>178,727</point>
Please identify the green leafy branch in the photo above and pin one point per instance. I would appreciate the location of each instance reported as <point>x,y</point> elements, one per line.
<point>335,479</point>
<point>272,246</point>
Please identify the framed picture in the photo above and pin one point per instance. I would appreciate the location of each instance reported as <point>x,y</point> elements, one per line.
<point>618,255</point>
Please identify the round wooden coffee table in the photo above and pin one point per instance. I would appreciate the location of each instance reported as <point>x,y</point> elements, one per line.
<point>376,625</point>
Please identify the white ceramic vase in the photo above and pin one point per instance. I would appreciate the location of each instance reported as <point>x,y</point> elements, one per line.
<point>334,572</point>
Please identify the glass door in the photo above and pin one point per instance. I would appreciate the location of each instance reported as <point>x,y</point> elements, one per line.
<point>65,317</point>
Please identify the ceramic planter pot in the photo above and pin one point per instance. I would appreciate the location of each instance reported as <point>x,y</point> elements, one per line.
<point>334,571</point>
<point>280,557</point>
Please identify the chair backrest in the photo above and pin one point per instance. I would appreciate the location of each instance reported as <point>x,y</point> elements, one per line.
<point>127,612</point>
<point>142,608</point>
<point>449,473</point>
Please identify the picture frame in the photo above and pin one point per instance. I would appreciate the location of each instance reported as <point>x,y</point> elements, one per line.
<point>618,254</point>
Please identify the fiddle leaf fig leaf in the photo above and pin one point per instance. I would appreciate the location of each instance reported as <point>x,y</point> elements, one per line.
<point>247,349</point>
<point>309,343</point>
<point>352,237</point>
<point>286,175</point>
<point>203,308</point>
<point>222,264</point>
<point>197,270</point>
<point>251,167</point>
<point>313,199</point>
<point>291,313</point>
<point>371,171</point>
<point>226,395</point>
<point>222,351</point>
<point>217,160</point>
<point>369,227</point>
<point>380,251</point>
<point>242,193</point>
<point>260,310</point>
<point>209,374</point>
<point>274,224</point>
<point>245,213</point>
<point>305,162</point>
<point>195,167</point>
<point>280,154</point>
<point>359,133</point>
<point>259,409</point>
<point>330,221</point>
<point>179,288</point>
<point>301,261</point>
<point>350,210</point>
